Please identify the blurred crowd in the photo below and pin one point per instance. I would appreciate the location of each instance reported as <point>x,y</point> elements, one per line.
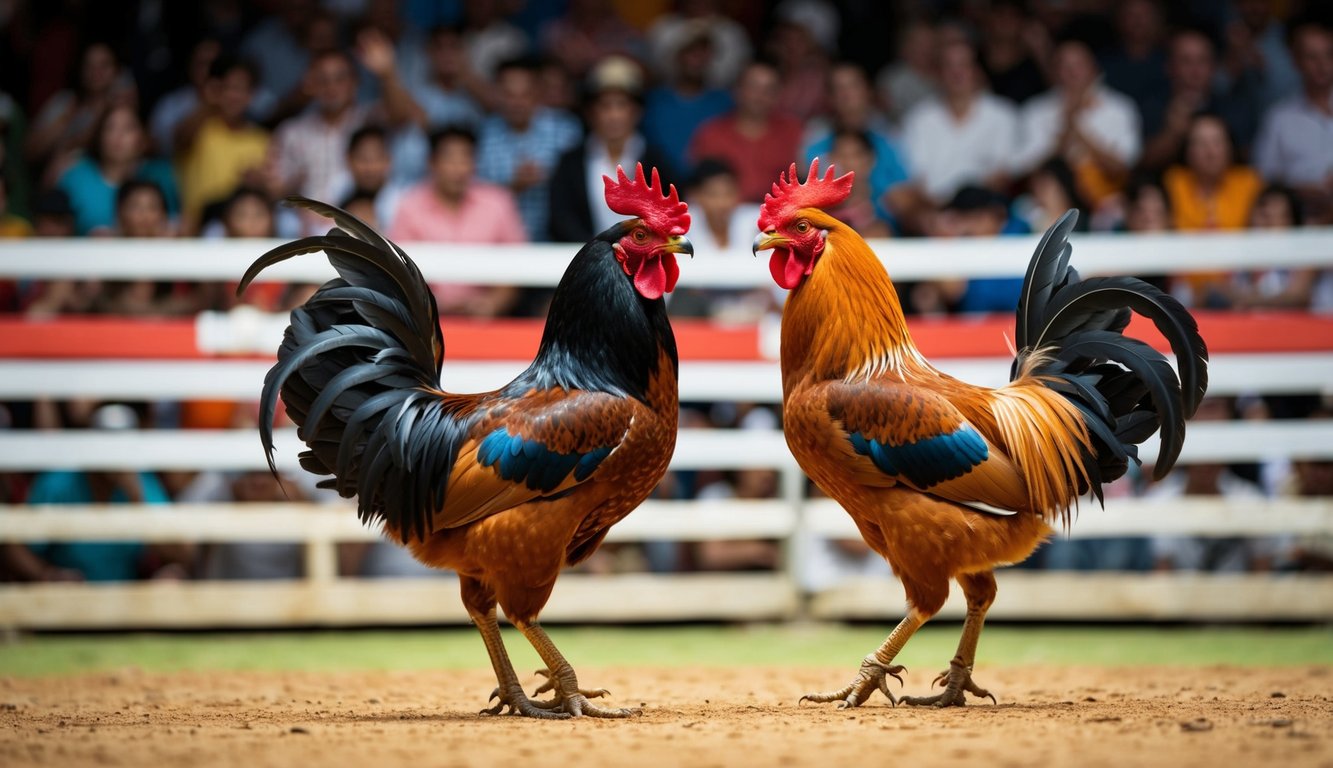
<point>490,121</point>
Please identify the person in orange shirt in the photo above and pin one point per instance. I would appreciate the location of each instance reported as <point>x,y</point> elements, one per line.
<point>1209,192</point>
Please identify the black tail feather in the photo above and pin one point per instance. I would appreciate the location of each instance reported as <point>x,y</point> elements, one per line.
<point>1125,389</point>
<point>358,371</point>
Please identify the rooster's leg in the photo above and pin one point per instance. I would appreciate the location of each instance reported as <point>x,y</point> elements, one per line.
<point>876,669</point>
<point>570,699</point>
<point>510,690</point>
<point>979,588</point>
<point>480,602</point>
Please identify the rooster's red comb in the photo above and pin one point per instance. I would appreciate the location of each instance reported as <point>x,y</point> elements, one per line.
<point>662,212</point>
<point>789,196</point>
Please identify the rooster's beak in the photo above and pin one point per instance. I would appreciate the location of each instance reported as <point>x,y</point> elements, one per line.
<point>678,244</point>
<point>767,241</point>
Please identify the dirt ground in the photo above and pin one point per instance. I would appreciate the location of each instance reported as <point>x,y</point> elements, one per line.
<point>691,717</point>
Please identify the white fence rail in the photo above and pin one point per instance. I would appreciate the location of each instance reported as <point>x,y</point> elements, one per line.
<point>323,599</point>
<point>542,265</point>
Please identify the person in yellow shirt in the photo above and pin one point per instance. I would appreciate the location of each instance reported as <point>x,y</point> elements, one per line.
<point>218,147</point>
<point>1210,192</point>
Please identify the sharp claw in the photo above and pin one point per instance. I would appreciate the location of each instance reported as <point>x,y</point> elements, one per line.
<point>495,694</point>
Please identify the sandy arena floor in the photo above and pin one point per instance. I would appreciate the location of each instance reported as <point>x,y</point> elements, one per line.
<point>692,717</point>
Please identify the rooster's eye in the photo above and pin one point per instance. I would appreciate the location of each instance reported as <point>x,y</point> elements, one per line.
<point>802,226</point>
<point>640,236</point>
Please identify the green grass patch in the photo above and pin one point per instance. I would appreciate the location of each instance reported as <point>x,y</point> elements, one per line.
<point>817,645</point>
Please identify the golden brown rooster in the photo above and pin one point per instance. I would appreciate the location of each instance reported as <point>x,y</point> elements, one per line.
<point>944,479</point>
<point>505,487</point>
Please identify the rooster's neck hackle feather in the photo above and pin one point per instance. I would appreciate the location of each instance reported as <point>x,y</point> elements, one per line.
<point>600,334</point>
<point>845,321</point>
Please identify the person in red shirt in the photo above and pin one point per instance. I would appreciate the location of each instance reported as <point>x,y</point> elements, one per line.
<point>757,140</point>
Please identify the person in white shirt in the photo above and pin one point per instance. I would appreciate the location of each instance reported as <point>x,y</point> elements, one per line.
<point>964,135</point>
<point>1295,143</point>
<point>1095,129</point>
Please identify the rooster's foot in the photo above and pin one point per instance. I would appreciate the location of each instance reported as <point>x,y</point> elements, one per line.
<point>575,702</point>
<point>957,682</point>
<point>513,702</point>
<point>873,676</point>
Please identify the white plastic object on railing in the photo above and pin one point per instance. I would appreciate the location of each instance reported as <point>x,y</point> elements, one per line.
<point>543,264</point>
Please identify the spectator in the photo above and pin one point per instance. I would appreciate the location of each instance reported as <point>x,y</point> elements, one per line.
<point>450,91</point>
<point>556,87</point>
<point>279,46</point>
<point>1191,75</point>
<point>362,206</point>
<point>1051,191</point>
<point>1137,65</point>
<point>519,146</point>
<point>411,66</point>
<point>804,33</point>
<point>1294,140</point>
<point>312,148</point>
<point>250,559</point>
<point>578,199</point>
<point>1094,129</point>
<point>491,40</point>
<point>728,43</point>
<point>1279,208</point>
<point>141,210</point>
<point>369,173</point>
<point>675,109</point>
<point>722,225</point>
<point>218,146</point>
<point>66,121</point>
<point>910,78</point>
<point>14,295</point>
<point>1015,51</point>
<point>854,151</point>
<point>1256,57</point>
<point>404,117</point>
<point>13,168</point>
<point>758,141</point>
<point>52,214</point>
<point>965,135</point>
<point>853,111</point>
<point>11,226</point>
<point>1210,190</point>
<point>116,154</point>
<point>453,206</point>
<point>93,560</point>
<point>248,213</point>
<point>588,32</point>
<point>173,108</point>
<point>1228,554</point>
<point>981,212</point>
<point>1147,208</point>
